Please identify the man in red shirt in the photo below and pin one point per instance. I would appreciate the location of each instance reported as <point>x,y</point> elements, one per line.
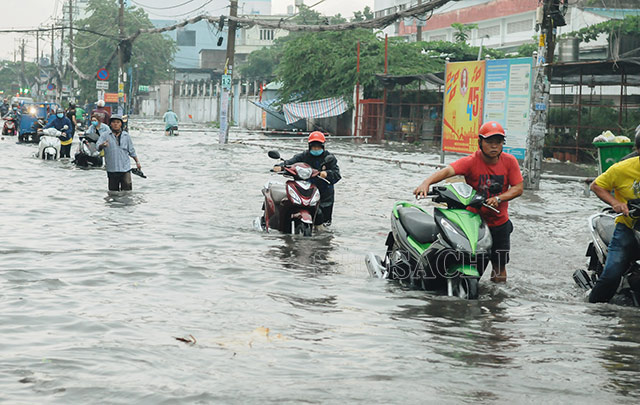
<point>495,175</point>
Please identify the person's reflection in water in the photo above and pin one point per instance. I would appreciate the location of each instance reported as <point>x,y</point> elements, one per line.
<point>116,199</point>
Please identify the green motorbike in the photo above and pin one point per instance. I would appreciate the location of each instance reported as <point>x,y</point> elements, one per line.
<point>448,251</point>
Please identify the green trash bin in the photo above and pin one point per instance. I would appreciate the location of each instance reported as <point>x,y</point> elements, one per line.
<point>610,153</point>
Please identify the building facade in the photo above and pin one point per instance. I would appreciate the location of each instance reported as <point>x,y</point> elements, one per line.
<point>502,24</point>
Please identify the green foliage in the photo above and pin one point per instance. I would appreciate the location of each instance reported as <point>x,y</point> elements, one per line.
<point>260,64</point>
<point>11,77</point>
<point>366,14</point>
<point>321,65</point>
<point>462,31</point>
<point>153,53</point>
<point>630,25</point>
<point>458,51</point>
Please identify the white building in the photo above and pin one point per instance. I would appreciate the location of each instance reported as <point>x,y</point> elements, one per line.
<point>502,24</point>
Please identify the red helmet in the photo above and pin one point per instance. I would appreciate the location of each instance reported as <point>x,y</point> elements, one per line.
<point>489,129</point>
<point>316,136</point>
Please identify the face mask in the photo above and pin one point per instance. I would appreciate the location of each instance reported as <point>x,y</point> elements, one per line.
<point>15,108</point>
<point>94,123</point>
<point>316,152</point>
<point>59,115</point>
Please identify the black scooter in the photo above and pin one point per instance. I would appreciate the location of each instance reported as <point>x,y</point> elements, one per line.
<point>601,227</point>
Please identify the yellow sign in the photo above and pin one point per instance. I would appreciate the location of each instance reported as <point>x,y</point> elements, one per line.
<point>121,86</point>
<point>463,101</point>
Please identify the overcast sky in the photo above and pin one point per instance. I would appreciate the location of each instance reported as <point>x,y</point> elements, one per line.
<point>32,13</point>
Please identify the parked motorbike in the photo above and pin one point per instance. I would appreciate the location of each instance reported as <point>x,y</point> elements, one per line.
<point>290,206</point>
<point>87,154</point>
<point>447,251</point>
<point>601,227</point>
<point>9,127</point>
<point>49,145</point>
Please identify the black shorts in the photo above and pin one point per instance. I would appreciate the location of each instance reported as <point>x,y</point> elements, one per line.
<point>501,236</point>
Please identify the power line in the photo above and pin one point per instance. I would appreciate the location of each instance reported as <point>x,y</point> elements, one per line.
<point>183,14</point>
<point>30,30</point>
<point>163,8</point>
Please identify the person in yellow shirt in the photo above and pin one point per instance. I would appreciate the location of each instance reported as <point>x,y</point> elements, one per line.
<point>623,179</point>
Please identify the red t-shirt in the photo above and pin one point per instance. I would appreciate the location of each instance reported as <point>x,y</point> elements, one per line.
<point>490,180</point>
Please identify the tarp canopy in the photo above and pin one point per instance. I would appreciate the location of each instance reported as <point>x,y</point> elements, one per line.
<point>328,107</point>
<point>597,72</point>
<point>391,81</point>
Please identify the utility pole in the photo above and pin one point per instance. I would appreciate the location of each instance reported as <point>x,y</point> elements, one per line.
<point>38,49</point>
<point>419,27</point>
<point>548,18</point>
<point>53,35</point>
<point>227,79</point>
<point>61,68</point>
<point>71,46</point>
<point>121,60</point>
<point>23,75</point>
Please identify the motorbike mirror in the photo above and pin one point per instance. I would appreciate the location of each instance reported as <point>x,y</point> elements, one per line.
<point>274,154</point>
<point>65,127</point>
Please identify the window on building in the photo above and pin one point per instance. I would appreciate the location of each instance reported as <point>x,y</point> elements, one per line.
<point>186,38</point>
<point>266,35</point>
<point>492,31</point>
<point>519,26</point>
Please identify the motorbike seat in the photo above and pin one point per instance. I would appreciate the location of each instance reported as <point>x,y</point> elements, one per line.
<point>278,192</point>
<point>418,224</point>
<point>605,225</point>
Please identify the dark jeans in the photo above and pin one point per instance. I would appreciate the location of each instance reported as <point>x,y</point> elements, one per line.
<point>501,237</point>
<point>65,150</point>
<point>622,251</point>
<point>119,181</point>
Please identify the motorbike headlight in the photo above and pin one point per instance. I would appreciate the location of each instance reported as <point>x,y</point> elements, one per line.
<point>293,195</point>
<point>304,172</point>
<point>457,238</point>
<point>315,198</point>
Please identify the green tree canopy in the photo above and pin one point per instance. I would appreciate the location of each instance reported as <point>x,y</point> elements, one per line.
<point>629,26</point>
<point>153,53</point>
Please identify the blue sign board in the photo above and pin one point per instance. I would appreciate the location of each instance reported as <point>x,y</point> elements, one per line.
<point>507,100</point>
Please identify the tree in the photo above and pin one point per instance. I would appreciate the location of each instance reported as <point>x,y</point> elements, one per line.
<point>629,26</point>
<point>153,53</point>
<point>11,79</point>
<point>321,65</point>
<point>364,15</point>
<point>462,31</point>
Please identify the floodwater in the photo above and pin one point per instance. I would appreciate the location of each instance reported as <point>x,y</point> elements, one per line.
<point>95,289</point>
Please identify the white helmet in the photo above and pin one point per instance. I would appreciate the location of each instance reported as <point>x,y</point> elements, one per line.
<point>100,103</point>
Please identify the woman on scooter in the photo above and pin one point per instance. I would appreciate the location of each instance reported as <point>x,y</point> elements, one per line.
<point>624,179</point>
<point>497,176</point>
<point>326,163</point>
<point>64,125</point>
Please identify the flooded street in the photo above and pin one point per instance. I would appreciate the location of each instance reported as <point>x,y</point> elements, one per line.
<point>94,289</point>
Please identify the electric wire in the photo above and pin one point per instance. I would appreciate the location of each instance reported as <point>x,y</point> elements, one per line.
<point>183,14</point>
<point>163,8</point>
